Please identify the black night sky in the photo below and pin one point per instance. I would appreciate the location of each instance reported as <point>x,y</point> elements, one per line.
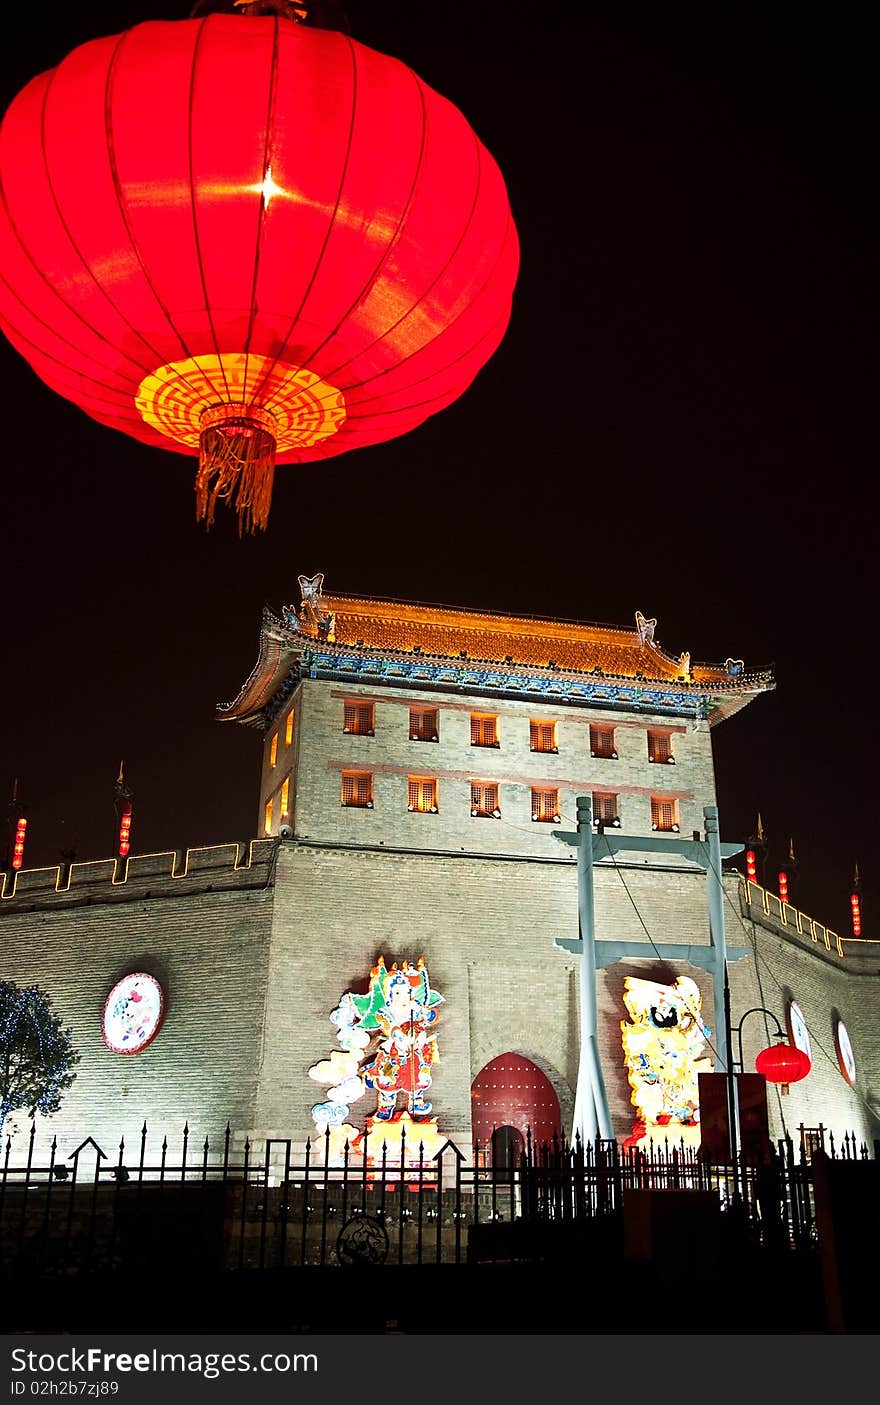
<point>677,422</point>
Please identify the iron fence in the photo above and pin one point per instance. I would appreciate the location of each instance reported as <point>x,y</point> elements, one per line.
<point>390,1203</point>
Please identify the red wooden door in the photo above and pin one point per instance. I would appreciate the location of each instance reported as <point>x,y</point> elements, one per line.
<point>511,1091</point>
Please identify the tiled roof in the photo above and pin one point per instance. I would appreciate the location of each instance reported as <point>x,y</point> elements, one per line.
<point>498,638</point>
<point>531,648</point>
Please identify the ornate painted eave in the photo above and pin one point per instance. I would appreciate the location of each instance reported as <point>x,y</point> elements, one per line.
<point>350,639</point>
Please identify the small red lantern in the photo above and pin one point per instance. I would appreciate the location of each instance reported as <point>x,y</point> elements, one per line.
<point>18,847</point>
<point>783,1063</point>
<point>751,869</point>
<point>251,241</point>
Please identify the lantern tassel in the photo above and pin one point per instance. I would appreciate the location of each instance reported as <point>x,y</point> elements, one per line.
<point>237,465</point>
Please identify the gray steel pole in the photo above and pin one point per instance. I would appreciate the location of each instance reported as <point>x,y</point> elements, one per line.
<point>716,920</point>
<point>591,1101</point>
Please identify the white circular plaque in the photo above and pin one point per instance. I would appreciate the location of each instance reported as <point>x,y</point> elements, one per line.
<point>133,1013</point>
<point>797,1029</point>
<point>845,1056</point>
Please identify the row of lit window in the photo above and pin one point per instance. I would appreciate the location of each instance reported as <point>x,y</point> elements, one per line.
<point>359,720</point>
<point>423,798</point>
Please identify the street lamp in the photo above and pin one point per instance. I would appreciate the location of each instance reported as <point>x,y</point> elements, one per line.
<point>781,1063</point>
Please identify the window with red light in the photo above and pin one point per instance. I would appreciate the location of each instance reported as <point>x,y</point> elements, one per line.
<point>602,743</point>
<point>664,813</point>
<point>424,725</point>
<point>484,799</point>
<point>422,793</point>
<point>484,729</point>
<point>660,747</point>
<point>273,750</point>
<point>604,807</point>
<point>542,736</point>
<point>267,818</point>
<point>288,728</point>
<point>285,798</point>
<point>359,719</point>
<point>545,805</point>
<point>357,789</point>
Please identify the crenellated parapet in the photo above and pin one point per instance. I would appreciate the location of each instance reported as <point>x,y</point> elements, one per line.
<point>765,908</point>
<point>174,872</point>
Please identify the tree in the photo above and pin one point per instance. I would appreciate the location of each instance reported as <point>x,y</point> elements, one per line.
<point>37,1057</point>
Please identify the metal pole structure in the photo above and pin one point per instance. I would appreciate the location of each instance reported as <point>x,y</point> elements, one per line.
<point>591,1112</point>
<point>719,942</point>
<point>731,1086</point>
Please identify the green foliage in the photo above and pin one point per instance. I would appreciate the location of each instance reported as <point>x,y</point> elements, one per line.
<point>37,1057</point>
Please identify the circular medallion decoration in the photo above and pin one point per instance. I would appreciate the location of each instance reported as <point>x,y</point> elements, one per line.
<point>845,1056</point>
<point>362,1240</point>
<point>133,1013</point>
<point>798,1033</point>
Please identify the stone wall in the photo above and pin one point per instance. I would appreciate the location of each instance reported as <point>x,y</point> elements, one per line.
<point>204,934</point>
<point>255,944</point>
<point>487,928</point>
<point>321,751</point>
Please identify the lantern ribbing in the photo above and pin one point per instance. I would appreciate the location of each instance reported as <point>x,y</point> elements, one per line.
<point>334,248</point>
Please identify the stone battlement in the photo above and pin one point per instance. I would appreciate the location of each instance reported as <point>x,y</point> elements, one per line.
<point>248,864</point>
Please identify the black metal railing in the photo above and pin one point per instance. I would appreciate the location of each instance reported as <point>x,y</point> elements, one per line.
<point>391,1203</point>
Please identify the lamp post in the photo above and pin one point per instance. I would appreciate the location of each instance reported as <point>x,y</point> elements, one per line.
<point>781,1063</point>
<point>756,1009</point>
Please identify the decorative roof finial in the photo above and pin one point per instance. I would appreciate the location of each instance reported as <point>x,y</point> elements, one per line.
<point>645,628</point>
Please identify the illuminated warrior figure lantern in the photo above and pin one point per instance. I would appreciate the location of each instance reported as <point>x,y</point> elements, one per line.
<point>663,1045</point>
<point>388,1044</point>
<point>249,239</point>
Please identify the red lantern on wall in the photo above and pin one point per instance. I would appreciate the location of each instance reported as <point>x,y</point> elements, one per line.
<point>250,240</point>
<point>783,1063</point>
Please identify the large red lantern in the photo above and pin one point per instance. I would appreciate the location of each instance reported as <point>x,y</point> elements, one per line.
<point>783,1063</point>
<point>252,240</point>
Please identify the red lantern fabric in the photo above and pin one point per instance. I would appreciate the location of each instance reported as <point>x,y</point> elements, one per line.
<point>783,1063</point>
<point>242,227</point>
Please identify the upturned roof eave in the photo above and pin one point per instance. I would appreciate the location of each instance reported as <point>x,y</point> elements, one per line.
<point>282,650</point>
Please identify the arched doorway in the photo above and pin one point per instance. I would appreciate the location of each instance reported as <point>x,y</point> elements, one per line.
<point>508,1145</point>
<point>511,1095</point>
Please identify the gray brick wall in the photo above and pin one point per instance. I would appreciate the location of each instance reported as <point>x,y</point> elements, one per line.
<point>252,971</point>
<point>205,936</point>
<point>323,751</point>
